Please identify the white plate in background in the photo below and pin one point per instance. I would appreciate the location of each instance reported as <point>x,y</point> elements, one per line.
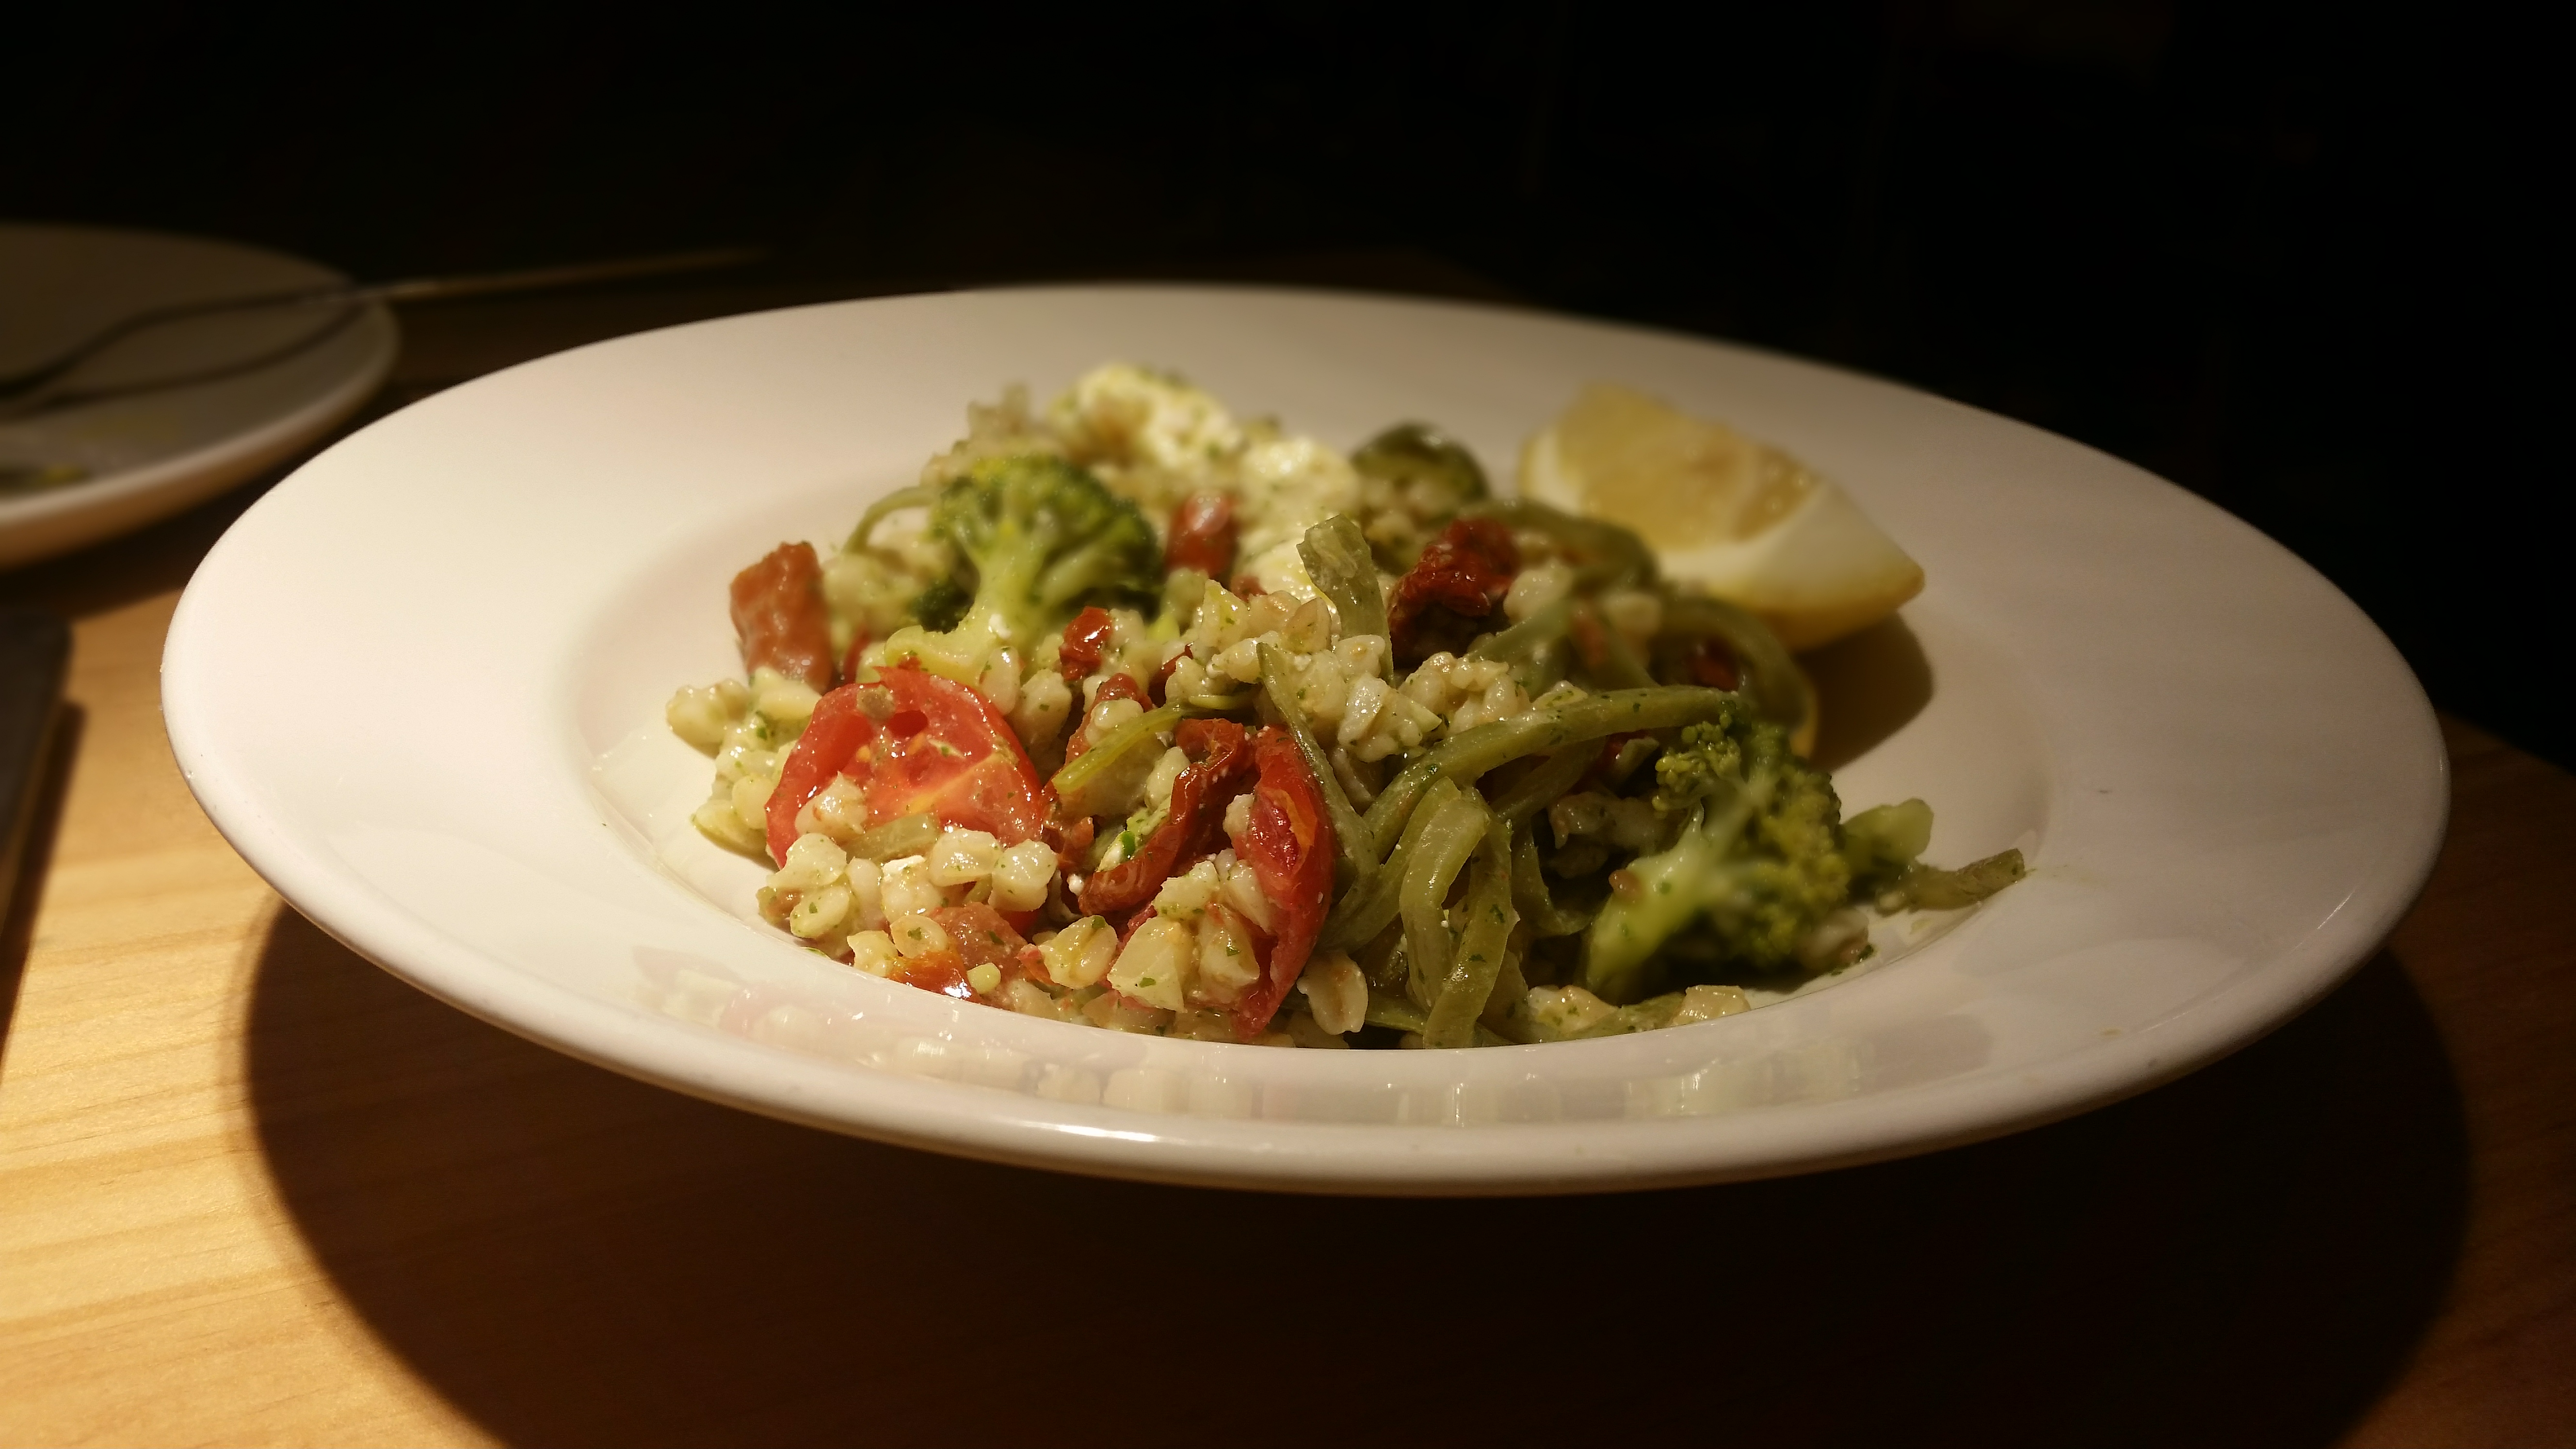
<point>419,687</point>
<point>149,454</point>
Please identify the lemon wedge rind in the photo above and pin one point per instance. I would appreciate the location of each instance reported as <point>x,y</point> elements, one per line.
<point>1816,573</point>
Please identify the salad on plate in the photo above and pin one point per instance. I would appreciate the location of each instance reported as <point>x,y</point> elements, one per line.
<point>1136,714</point>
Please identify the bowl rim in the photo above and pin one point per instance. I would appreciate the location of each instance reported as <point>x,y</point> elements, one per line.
<point>1498,1157</point>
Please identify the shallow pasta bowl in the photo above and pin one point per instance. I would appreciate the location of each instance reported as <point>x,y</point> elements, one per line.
<point>419,686</point>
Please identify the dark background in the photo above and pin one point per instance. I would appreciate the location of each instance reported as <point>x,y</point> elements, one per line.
<point>2299,258</point>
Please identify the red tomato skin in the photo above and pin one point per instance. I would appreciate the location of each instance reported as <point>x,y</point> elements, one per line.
<point>832,737</point>
<point>779,616</point>
<point>1290,849</point>
<point>984,936</point>
<point>1071,841</point>
<point>1461,576</point>
<point>940,971</point>
<point>1117,686</point>
<point>1713,664</point>
<point>1086,642</point>
<point>944,749</point>
<point>1195,826</point>
<point>1202,535</point>
<point>997,792</point>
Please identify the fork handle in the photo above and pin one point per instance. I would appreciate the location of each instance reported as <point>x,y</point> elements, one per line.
<point>410,289</point>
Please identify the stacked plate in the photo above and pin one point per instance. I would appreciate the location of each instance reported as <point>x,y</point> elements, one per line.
<point>176,414</point>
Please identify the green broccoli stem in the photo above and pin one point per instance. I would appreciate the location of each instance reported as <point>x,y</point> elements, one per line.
<point>1012,604</point>
<point>919,495</point>
<point>1043,537</point>
<point>1665,892</point>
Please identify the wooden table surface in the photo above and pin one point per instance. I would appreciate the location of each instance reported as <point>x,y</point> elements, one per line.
<point>253,1190</point>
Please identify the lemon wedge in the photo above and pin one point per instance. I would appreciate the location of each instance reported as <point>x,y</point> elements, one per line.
<point>1742,519</point>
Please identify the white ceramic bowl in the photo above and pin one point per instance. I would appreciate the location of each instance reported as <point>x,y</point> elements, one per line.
<point>419,685</point>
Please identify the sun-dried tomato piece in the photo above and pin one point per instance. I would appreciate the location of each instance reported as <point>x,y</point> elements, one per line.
<point>1119,686</point>
<point>1602,774</point>
<point>984,936</point>
<point>1135,922</point>
<point>1221,768</point>
<point>780,618</point>
<point>940,971</point>
<point>980,936</point>
<point>1163,676</point>
<point>1071,841</point>
<point>1202,535</point>
<point>1086,640</point>
<point>1460,579</point>
<point>1709,662</point>
<point>1290,850</point>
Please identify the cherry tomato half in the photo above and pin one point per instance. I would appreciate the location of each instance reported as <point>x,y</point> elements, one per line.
<point>924,744</point>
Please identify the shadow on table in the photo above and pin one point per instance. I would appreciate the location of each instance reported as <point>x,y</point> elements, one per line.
<point>571,1258</point>
<point>35,855</point>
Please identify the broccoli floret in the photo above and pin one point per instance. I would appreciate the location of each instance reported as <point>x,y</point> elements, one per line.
<point>873,590</point>
<point>1763,859</point>
<point>1758,857</point>
<point>943,605</point>
<point>1706,764</point>
<point>1042,538</point>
